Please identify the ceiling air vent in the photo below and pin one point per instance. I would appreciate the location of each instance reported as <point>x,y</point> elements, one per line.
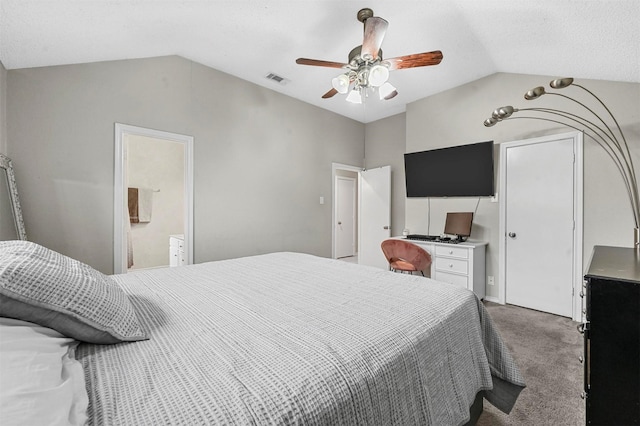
<point>276,78</point>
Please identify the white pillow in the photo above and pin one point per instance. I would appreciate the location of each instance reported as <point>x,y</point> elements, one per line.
<point>42,382</point>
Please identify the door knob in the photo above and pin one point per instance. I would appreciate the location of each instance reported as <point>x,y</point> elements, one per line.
<point>512,234</point>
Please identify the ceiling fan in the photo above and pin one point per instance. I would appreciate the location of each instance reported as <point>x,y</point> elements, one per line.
<point>366,70</point>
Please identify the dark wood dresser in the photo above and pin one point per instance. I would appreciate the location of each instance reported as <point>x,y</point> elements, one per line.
<point>612,337</point>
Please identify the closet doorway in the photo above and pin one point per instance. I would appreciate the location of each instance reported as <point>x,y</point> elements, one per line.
<point>153,198</point>
<point>345,213</point>
<point>346,225</point>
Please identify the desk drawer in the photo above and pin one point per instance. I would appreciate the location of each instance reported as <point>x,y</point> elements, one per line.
<point>452,251</point>
<point>452,265</point>
<point>457,280</point>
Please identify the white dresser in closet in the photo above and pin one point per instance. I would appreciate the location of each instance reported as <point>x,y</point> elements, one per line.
<point>176,250</point>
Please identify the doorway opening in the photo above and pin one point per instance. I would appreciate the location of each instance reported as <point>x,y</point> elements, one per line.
<point>344,216</point>
<point>153,199</point>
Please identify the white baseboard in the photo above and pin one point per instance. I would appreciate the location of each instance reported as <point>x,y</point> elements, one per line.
<point>491,299</point>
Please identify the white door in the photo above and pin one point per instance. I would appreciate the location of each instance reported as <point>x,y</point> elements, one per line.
<point>375,215</point>
<point>539,225</point>
<point>345,216</point>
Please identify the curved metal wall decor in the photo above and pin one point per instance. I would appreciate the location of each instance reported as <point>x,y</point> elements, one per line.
<point>592,124</point>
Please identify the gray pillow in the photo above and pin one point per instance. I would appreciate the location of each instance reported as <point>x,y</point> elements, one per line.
<point>47,288</point>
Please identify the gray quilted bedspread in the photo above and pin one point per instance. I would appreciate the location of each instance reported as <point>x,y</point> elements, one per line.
<point>288,338</point>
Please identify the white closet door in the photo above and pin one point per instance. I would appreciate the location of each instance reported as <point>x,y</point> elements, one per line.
<point>539,226</point>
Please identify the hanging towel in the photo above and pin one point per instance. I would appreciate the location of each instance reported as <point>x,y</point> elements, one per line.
<point>140,201</point>
<point>132,195</point>
<point>129,241</point>
<point>145,203</point>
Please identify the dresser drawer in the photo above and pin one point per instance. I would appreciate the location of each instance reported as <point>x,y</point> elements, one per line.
<point>176,242</point>
<point>451,251</point>
<point>457,280</point>
<point>452,265</point>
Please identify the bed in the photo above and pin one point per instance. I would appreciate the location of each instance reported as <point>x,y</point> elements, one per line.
<point>287,338</point>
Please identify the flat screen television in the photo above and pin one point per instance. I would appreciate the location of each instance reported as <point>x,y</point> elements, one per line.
<point>456,171</point>
<point>458,224</point>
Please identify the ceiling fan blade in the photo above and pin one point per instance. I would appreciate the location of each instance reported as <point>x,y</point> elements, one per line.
<point>391,95</point>
<point>319,63</point>
<point>329,94</point>
<point>415,60</point>
<point>374,30</point>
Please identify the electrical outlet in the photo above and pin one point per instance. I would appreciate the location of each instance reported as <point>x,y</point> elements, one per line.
<point>490,280</point>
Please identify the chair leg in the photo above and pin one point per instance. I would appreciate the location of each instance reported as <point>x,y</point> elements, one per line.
<point>422,272</point>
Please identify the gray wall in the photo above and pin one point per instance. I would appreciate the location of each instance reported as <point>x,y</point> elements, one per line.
<point>7,228</point>
<point>3,109</point>
<point>455,117</point>
<point>262,159</point>
<point>384,146</point>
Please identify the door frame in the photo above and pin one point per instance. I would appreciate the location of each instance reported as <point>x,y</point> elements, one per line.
<point>578,184</point>
<point>354,201</point>
<point>334,169</point>
<point>119,191</point>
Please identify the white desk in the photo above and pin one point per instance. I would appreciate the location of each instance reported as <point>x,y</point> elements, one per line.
<point>461,264</point>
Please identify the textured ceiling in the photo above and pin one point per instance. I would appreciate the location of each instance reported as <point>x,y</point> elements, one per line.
<point>249,39</point>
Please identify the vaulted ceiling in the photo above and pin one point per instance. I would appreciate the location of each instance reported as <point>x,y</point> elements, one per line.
<point>592,39</point>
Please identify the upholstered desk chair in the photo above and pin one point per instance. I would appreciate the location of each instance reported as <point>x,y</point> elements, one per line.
<point>404,256</point>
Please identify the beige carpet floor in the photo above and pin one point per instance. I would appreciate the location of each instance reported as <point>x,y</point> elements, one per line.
<point>546,347</point>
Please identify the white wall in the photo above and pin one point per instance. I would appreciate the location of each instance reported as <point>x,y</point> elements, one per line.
<point>158,165</point>
<point>456,117</point>
<point>261,159</point>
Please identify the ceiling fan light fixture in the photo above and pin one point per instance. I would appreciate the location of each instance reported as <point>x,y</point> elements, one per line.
<point>366,72</point>
<point>385,90</point>
<point>341,83</point>
<point>378,75</point>
<point>354,96</point>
